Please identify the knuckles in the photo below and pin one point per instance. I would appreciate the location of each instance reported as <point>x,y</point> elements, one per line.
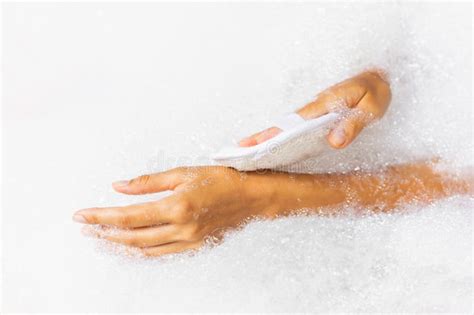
<point>182,211</point>
<point>191,232</point>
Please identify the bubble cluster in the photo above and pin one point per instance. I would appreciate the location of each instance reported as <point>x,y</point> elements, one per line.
<point>409,261</point>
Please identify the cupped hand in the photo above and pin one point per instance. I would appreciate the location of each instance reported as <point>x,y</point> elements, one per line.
<point>360,99</point>
<point>206,202</point>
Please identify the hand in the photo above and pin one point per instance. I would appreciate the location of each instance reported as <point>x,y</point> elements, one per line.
<point>360,99</point>
<point>206,202</point>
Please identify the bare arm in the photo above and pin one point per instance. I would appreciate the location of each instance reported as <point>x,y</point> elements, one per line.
<point>382,190</point>
<point>209,200</point>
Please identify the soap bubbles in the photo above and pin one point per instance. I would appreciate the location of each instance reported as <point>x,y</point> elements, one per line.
<point>263,60</point>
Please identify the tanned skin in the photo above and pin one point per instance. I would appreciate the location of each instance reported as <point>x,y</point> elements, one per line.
<point>209,200</point>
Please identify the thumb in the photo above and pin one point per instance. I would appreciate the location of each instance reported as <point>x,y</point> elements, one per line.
<point>259,137</point>
<point>346,131</point>
<point>153,183</point>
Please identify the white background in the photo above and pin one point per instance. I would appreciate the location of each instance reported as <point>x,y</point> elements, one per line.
<point>97,93</point>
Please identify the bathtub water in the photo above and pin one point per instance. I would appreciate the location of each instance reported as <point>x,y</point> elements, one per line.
<point>95,93</point>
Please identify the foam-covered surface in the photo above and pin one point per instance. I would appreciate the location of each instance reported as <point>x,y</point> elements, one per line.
<point>96,93</point>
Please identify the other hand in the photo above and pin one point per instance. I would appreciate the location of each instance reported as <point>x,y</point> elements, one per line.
<point>361,99</point>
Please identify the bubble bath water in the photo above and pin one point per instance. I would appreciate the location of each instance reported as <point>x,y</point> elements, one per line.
<point>96,93</point>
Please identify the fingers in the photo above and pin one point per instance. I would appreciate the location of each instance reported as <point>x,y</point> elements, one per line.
<point>351,125</point>
<point>343,134</point>
<point>260,137</point>
<point>335,99</point>
<point>153,183</point>
<point>140,237</point>
<point>151,242</point>
<point>132,216</point>
<point>170,248</point>
<point>317,108</point>
<point>324,103</point>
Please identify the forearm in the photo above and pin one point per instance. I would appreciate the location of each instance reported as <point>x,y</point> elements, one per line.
<point>402,184</point>
<point>384,190</point>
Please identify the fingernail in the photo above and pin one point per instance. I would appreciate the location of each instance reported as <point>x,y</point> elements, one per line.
<point>121,183</point>
<point>79,218</point>
<point>338,137</point>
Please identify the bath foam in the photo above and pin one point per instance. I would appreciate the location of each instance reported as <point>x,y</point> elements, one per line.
<point>299,140</point>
